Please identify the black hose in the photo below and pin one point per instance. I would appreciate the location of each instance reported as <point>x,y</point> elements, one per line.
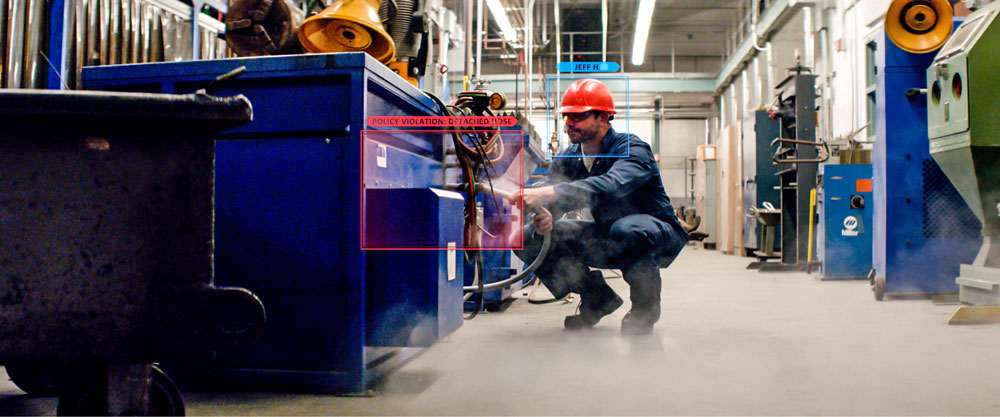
<point>546,242</point>
<point>399,28</point>
<point>480,296</point>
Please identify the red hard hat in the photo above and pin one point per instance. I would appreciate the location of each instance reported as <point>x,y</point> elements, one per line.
<point>585,95</point>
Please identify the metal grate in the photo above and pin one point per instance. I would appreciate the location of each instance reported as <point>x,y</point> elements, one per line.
<point>945,213</point>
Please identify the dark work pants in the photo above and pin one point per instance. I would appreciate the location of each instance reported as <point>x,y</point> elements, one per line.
<point>638,244</point>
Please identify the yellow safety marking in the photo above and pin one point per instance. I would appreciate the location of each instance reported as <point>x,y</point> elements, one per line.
<point>976,315</point>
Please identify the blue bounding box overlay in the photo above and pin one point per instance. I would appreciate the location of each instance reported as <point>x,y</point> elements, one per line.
<point>556,85</point>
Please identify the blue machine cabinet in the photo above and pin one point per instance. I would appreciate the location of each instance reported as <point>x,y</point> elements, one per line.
<point>923,228</point>
<point>290,192</point>
<point>844,233</point>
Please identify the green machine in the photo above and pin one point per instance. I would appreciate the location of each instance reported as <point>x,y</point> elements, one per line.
<point>964,130</point>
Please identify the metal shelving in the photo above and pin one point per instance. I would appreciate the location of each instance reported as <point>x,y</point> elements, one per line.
<point>44,44</point>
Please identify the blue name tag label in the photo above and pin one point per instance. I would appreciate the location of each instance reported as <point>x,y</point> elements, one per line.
<point>588,67</point>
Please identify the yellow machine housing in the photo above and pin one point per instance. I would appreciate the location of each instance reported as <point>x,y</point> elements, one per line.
<point>348,26</point>
<point>919,26</point>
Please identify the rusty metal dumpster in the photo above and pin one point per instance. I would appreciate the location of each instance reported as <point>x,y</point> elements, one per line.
<point>106,243</point>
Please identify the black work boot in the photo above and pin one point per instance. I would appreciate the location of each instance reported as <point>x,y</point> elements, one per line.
<point>640,320</point>
<point>645,284</point>
<point>598,301</point>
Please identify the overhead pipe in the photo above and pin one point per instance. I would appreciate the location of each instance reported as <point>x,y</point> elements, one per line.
<point>529,30</point>
<point>827,70</point>
<point>809,54</point>
<point>604,30</point>
<point>556,18</point>
<point>621,42</point>
<point>558,22</point>
<point>468,40</point>
<point>545,25</point>
<point>758,87</point>
<point>479,39</point>
<point>673,53</point>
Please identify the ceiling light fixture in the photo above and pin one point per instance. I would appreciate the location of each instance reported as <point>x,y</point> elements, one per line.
<point>642,22</point>
<point>500,16</point>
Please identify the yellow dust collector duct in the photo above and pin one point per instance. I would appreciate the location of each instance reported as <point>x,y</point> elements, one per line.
<point>348,26</point>
<point>919,26</point>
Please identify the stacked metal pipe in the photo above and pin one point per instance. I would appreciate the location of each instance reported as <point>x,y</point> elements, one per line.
<point>101,32</point>
<point>21,27</point>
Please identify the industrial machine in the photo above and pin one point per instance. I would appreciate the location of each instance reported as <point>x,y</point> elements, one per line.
<point>797,152</point>
<point>922,229</point>
<point>291,189</point>
<point>760,184</point>
<point>844,232</point>
<point>255,28</point>
<point>964,131</point>
<point>313,192</point>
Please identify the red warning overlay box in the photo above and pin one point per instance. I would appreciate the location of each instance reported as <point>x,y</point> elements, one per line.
<point>441,121</point>
<point>411,200</point>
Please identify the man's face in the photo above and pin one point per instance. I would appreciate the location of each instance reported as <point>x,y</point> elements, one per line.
<point>581,127</point>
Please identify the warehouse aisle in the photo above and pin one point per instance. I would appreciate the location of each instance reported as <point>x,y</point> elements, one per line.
<point>731,342</point>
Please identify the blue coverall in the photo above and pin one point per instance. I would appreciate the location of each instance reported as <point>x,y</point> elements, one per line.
<point>634,227</point>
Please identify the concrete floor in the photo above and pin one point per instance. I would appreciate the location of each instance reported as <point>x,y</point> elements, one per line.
<point>731,342</point>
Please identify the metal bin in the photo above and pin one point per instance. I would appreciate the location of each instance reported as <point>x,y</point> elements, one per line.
<point>106,260</point>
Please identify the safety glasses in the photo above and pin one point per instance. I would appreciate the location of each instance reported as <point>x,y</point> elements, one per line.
<point>576,117</point>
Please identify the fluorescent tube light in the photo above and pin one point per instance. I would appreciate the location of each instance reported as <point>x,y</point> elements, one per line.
<point>500,16</point>
<point>642,22</point>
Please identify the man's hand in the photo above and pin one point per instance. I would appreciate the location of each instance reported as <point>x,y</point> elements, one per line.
<point>533,197</point>
<point>542,221</point>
